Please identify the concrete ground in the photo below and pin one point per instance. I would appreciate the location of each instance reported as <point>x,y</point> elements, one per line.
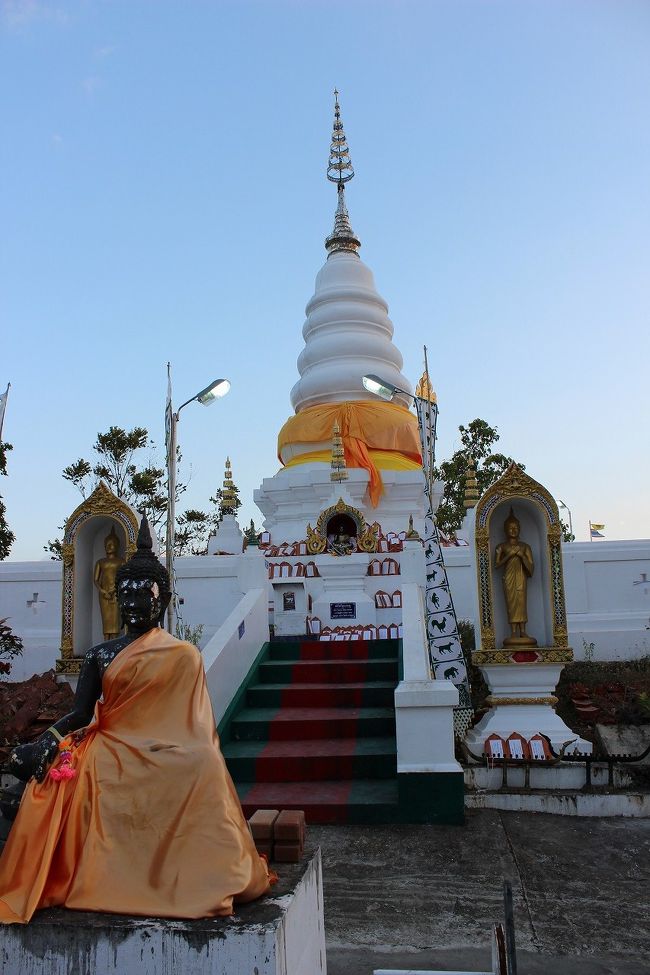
<point>427,896</point>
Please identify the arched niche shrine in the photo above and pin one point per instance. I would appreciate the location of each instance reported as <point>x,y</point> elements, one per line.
<point>83,545</point>
<point>523,641</point>
<point>338,520</point>
<point>537,513</point>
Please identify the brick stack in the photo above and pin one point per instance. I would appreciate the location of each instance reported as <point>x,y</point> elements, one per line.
<point>279,835</point>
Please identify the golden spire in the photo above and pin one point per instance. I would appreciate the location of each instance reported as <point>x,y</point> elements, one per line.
<point>340,171</point>
<point>471,485</point>
<point>425,390</point>
<point>339,471</point>
<point>229,492</point>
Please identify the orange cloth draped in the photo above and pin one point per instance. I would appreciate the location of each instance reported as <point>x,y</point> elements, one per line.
<point>364,425</point>
<point>151,824</point>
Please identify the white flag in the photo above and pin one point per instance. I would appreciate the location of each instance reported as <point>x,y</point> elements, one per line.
<point>3,406</point>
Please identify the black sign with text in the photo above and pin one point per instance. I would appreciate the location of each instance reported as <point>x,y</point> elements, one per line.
<point>343,611</point>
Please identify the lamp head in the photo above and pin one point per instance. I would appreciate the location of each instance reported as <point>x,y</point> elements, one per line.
<point>380,387</point>
<point>214,391</point>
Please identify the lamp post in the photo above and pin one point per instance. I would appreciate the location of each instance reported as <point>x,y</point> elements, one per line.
<point>565,506</point>
<point>214,391</point>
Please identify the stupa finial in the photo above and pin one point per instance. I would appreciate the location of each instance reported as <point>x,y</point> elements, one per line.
<point>340,171</point>
<point>471,485</point>
<point>229,502</point>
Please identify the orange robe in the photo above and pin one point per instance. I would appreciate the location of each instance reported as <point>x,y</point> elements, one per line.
<point>151,824</point>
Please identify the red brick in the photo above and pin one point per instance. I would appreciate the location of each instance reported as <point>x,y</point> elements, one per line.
<point>289,827</point>
<point>287,852</point>
<point>261,824</point>
<point>264,848</point>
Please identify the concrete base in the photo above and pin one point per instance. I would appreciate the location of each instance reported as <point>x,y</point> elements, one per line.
<point>549,778</point>
<point>632,805</point>
<point>279,935</point>
<point>527,720</point>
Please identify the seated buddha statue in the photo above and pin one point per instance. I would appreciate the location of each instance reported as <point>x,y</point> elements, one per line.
<point>129,807</point>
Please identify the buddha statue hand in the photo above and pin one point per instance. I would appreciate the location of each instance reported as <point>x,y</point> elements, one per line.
<point>33,759</point>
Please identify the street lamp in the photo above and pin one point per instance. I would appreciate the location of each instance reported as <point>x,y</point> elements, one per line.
<point>214,391</point>
<point>562,504</point>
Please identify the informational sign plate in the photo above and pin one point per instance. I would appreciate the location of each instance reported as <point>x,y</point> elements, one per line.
<point>343,611</point>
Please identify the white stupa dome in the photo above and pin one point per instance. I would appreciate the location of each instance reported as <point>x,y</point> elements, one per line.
<point>347,334</point>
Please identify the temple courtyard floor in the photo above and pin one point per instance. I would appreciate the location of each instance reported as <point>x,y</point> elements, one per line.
<point>426,897</point>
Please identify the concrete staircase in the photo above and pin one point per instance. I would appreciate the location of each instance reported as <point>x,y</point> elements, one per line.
<point>317,732</point>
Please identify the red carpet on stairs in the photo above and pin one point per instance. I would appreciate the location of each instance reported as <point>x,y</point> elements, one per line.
<point>317,732</point>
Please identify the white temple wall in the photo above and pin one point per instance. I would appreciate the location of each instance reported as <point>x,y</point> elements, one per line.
<point>30,600</point>
<point>608,603</point>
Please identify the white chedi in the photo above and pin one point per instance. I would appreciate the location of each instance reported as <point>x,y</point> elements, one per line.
<point>348,335</point>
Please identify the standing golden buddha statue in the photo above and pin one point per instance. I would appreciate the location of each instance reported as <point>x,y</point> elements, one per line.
<point>104,578</point>
<point>516,559</point>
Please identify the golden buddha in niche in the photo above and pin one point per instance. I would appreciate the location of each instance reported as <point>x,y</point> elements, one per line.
<point>104,578</point>
<point>516,559</point>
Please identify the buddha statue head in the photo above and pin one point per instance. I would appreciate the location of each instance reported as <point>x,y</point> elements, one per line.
<point>143,590</point>
<point>111,544</point>
<point>512,527</point>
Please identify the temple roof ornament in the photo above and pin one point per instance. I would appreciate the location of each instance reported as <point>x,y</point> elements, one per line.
<point>229,492</point>
<point>340,171</point>
<point>424,389</point>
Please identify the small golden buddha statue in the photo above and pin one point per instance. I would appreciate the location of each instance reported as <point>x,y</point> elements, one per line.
<point>104,578</point>
<point>516,559</point>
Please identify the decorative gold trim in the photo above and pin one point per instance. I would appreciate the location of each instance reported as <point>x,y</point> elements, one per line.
<point>366,534</point>
<point>548,655</point>
<point>69,666</point>
<point>315,544</point>
<point>493,702</point>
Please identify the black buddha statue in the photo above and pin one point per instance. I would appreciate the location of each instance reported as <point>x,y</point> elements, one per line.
<point>130,807</point>
<point>143,592</point>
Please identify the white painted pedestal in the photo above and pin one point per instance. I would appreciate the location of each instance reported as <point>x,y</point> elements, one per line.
<point>279,935</point>
<point>533,684</point>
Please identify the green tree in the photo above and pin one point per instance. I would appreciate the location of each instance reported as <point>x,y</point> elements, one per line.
<point>7,537</point>
<point>567,534</point>
<point>143,485</point>
<point>477,439</point>
<point>192,530</point>
<point>10,646</point>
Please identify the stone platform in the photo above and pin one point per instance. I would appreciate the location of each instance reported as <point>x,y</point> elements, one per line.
<point>282,934</point>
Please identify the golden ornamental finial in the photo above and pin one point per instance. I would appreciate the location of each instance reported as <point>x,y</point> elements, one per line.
<point>425,390</point>
<point>339,471</point>
<point>340,171</point>
<point>471,485</point>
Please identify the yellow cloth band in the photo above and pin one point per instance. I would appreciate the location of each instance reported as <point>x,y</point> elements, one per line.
<point>56,733</point>
<point>384,460</point>
<point>365,427</point>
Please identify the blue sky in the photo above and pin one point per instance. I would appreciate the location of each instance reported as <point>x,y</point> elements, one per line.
<point>164,197</point>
